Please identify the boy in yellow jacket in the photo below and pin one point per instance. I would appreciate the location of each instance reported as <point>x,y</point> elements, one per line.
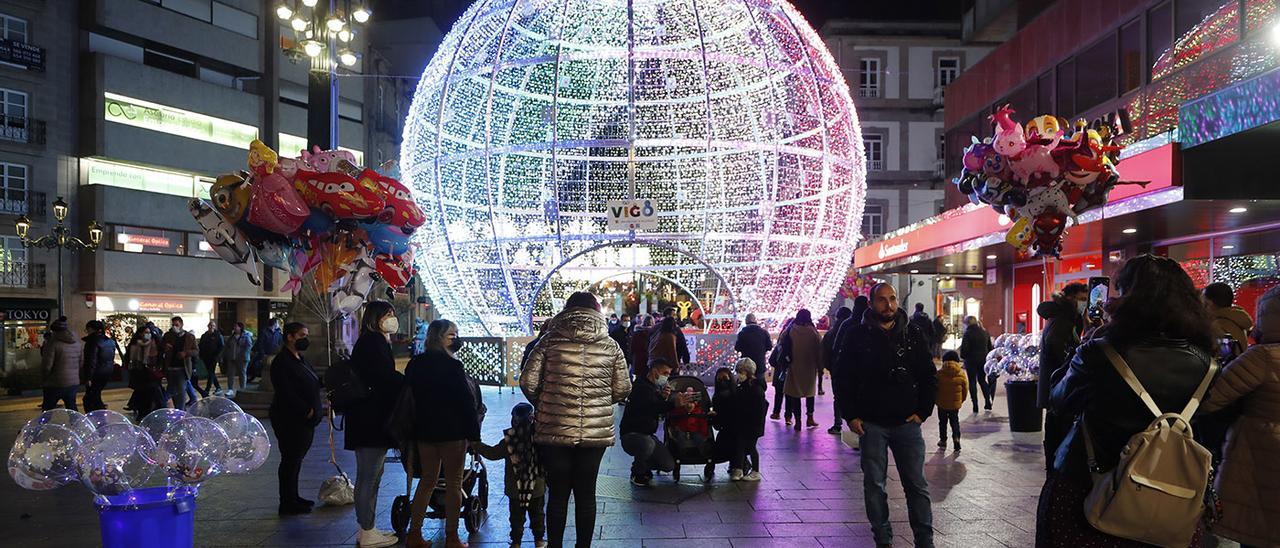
<point>953,387</point>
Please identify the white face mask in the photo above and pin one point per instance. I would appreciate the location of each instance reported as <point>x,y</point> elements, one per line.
<point>661,381</point>
<point>389,325</point>
<point>175,329</point>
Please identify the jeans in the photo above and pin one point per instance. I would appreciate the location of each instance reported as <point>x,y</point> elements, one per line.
<point>951,416</point>
<point>793,407</point>
<point>908,455</point>
<point>777,399</point>
<point>571,470</point>
<point>432,457</point>
<point>294,442</point>
<point>178,386</point>
<point>93,393</point>
<point>650,454</point>
<point>211,374</point>
<point>191,391</point>
<point>978,378</point>
<point>537,518</point>
<point>234,369</point>
<point>67,394</point>
<point>369,462</point>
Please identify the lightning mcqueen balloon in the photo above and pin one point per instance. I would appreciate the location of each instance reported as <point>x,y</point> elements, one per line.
<point>338,195</point>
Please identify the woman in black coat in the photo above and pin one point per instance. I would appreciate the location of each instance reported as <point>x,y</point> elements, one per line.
<point>366,421</point>
<point>446,416</point>
<point>295,412</point>
<point>1162,332</point>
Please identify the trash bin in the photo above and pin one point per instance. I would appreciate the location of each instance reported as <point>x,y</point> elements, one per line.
<point>148,518</point>
<point>1024,415</point>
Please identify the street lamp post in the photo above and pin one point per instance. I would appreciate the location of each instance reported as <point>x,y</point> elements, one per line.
<point>59,238</point>
<point>323,31</point>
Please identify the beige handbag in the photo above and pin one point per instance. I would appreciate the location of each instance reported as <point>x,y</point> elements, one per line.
<point>1155,494</point>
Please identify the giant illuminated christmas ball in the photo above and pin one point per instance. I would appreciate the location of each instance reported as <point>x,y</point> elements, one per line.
<point>729,116</point>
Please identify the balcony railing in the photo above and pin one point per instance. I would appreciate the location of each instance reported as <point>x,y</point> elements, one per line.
<point>22,54</point>
<point>22,130</point>
<point>22,275</point>
<point>33,206</point>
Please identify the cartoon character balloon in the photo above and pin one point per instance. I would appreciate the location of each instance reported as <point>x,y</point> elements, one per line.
<point>225,238</point>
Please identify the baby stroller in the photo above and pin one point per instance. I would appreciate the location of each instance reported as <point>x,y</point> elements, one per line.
<point>687,434</point>
<point>475,492</point>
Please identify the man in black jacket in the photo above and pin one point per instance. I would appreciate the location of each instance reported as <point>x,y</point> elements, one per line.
<point>754,342</point>
<point>974,347</point>
<point>887,389</point>
<point>620,332</point>
<point>211,345</point>
<point>650,398</point>
<point>99,363</point>
<point>1065,321</point>
<point>829,360</point>
<point>860,305</point>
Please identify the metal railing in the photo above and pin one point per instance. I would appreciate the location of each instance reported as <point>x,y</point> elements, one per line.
<point>22,275</point>
<point>22,54</point>
<point>22,130</point>
<point>33,206</point>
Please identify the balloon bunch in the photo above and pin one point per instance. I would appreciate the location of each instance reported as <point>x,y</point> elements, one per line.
<point>1016,355</point>
<point>110,455</point>
<point>333,226</point>
<point>1041,175</point>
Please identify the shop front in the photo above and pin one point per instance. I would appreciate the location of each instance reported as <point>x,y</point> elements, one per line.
<point>123,313</point>
<point>22,325</point>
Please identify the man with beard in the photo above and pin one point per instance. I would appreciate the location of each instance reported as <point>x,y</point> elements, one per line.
<point>887,389</point>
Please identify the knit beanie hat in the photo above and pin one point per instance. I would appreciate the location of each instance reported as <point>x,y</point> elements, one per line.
<point>746,365</point>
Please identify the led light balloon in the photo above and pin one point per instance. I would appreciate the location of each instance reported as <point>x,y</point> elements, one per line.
<point>728,119</point>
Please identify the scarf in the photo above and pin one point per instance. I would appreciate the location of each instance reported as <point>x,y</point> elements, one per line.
<point>524,460</point>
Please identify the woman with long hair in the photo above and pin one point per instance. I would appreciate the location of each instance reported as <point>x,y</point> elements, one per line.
<point>802,349</point>
<point>780,367</point>
<point>366,420</point>
<point>666,341</point>
<point>574,378</point>
<point>1162,332</point>
<point>445,419</point>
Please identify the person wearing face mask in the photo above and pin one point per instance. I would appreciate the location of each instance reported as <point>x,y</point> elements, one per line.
<point>177,348</point>
<point>144,377</point>
<point>366,432</point>
<point>619,333</point>
<point>295,411</point>
<point>650,399</point>
<point>749,409</point>
<point>446,417</point>
<point>1064,317</point>
<point>235,358</point>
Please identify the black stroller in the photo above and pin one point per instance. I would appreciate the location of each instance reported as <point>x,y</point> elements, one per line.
<point>688,435</point>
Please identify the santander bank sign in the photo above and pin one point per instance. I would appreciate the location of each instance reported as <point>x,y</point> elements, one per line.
<point>890,250</point>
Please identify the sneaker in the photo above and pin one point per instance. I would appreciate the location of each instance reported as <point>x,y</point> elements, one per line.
<point>708,471</point>
<point>735,474</point>
<point>834,430</point>
<point>639,481</point>
<point>232,393</point>
<point>942,443</point>
<point>753,476</point>
<point>957,447</point>
<point>374,538</point>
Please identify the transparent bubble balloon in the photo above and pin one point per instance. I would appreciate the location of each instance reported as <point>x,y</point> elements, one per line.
<point>249,444</point>
<point>104,417</point>
<point>213,407</point>
<point>72,420</point>
<point>43,456</point>
<point>192,450</point>
<point>158,421</point>
<point>120,458</point>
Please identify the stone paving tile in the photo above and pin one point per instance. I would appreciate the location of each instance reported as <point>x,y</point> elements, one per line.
<point>684,543</point>
<point>724,530</point>
<point>755,542</point>
<point>760,516</point>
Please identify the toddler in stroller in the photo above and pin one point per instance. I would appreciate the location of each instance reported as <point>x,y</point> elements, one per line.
<point>525,482</point>
<point>687,430</point>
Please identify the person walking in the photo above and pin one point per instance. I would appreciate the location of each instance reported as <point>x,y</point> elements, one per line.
<point>366,433</point>
<point>975,344</point>
<point>295,411</point>
<point>802,349</point>
<point>888,388</point>
<point>60,360</point>
<point>265,348</point>
<point>939,335</point>
<point>1161,331</point>
<point>650,399</point>
<point>667,342</point>
<point>1229,320</point>
<point>445,418</point>
<point>749,408</point>
<point>235,358</point>
<point>780,368</point>
<point>211,346</point>
<point>574,377</point>
<point>828,361</point>
<point>620,333</point>
<point>1249,476</point>
<point>754,344</point>
<point>951,392</point>
<point>638,341</point>
<point>1064,315</point>
<point>921,320</point>
<point>842,329</point>
<point>99,354</point>
<point>144,375</point>
<point>177,347</point>
<point>524,481</point>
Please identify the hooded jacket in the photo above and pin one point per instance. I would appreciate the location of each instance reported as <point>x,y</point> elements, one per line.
<point>99,356</point>
<point>574,376</point>
<point>974,347</point>
<point>1058,342</point>
<point>885,375</point>
<point>61,358</point>
<point>1233,321</point>
<point>953,386</point>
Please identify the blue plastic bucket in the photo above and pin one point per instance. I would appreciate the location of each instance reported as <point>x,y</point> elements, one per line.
<point>148,518</point>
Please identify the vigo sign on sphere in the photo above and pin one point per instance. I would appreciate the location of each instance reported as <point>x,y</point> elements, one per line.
<point>632,215</point>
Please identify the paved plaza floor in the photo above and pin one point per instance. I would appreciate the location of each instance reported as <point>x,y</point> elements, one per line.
<point>811,495</point>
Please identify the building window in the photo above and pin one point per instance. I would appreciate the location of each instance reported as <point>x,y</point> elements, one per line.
<point>135,239</point>
<point>1096,81</point>
<point>1159,34</point>
<point>1066,87</point>
<point>872,221</point>
<point>197,246</point>
<point>13,188</point>
<point>13,28</point>
<point>13,106</point>
<point>1130,57</point>
<point>942,147</point>
<point>13,262</point>
<point>873,147</point>
<point>869,77</point>
<point>174,121</point>
<point>948,70</point>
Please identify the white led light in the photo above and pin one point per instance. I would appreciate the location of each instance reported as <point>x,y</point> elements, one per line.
<point>1238,210</point>
<point>1130,231</point>
<point>283,12</point>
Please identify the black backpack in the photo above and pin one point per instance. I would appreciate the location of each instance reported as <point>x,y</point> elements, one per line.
<point>344,387</point>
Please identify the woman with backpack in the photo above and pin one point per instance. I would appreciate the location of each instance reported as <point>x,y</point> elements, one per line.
<point>1161,334</point>
<point>1249,476</point>
<point>366,420</point>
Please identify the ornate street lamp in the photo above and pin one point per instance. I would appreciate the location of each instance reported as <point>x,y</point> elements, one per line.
<point>322,28</point>
<point>59,238</point>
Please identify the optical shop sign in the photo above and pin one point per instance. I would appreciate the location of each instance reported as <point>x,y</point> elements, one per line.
<point>632,214</point>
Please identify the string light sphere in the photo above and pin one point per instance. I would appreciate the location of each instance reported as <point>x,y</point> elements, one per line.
<point>729,116</point>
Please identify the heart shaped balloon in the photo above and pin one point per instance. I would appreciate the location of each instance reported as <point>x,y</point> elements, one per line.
<point>276,205</point>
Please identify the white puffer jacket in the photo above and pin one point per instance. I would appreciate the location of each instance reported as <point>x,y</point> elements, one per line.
<point>574,377</point>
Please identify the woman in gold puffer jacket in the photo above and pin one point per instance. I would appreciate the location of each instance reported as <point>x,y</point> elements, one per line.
<point>574,377</point>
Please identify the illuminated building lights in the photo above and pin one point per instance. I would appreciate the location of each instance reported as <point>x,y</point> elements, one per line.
<point>729,117</point>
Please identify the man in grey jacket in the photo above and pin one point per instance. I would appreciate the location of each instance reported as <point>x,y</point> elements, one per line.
<point>60,358</point>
